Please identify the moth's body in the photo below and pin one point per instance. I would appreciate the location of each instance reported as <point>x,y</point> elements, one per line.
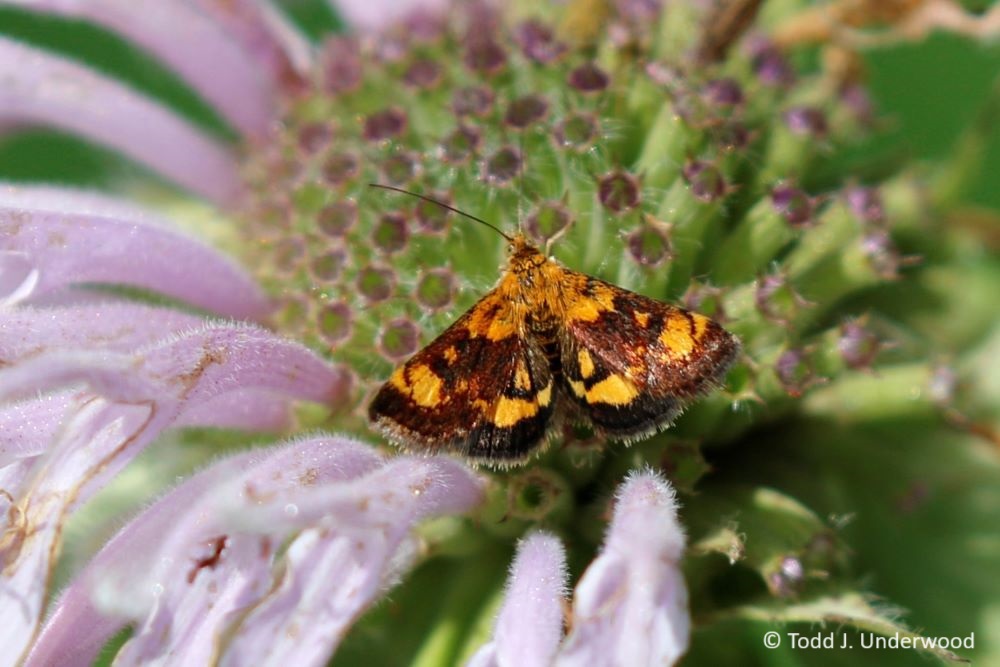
<point>545,343</point>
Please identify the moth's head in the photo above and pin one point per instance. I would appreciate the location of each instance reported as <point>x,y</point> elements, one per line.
<point>521,252</point>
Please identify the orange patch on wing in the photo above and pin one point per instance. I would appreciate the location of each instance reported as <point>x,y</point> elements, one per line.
<point>586,364</point>
<point>587,308</point>
<point>700,325</point>
<point>522,380</point>
<point>613,390</point>
<point>421,384</point>
<point>492,318</point>
<point>676,335</point>
<point>510,411</point>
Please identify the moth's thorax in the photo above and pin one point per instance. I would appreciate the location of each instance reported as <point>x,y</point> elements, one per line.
<point>526,261</point>
<point>533,281</point>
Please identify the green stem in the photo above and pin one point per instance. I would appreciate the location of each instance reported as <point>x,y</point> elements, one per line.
<point>754,242</point>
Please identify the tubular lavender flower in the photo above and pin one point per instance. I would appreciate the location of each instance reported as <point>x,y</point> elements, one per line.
<point>529,626</point>
<point>200,563</point>
<point>630,606</point>
<point>175,356</point>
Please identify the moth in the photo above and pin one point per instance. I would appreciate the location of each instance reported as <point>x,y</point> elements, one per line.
<point>545,345</point>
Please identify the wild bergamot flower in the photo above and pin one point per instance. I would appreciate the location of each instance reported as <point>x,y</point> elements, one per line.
<point>687,153</point>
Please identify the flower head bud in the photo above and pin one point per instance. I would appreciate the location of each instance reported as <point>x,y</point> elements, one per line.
<point>436,288</point>
<point>484,55</point>
<point>334,323</point>
<point>315,137</point>
<point>337,218</point>
<point>576,132</point>
<point>881,252</point>
<point>548,221</point>
<point>424,74</point>
<point>770,65</point>
<point>649,245</point>
<point>402,168</point>
<point>472,101</point>
<point>795,371</point>
<point>431,217</point>
<point>706,181</point>
<point>776,299</point>
<point>376,283</point>
<point>386,124</point>
<point>786,580</point>
<point>391,233</point>
<point>806,121</point>
<point>525,111</point>
<point>793,204</point>
<point>538,42</point>
<point>330,265</point>
<point>502,167</point>
<point>723,93</point>
<point>858,346</point>
<point>459,146</point>
<point>866,204</point>
<point>399,339</point>
<point>856,99</point>
<point>588,78</point>
<point>340,168</point>
<point>618,191</point>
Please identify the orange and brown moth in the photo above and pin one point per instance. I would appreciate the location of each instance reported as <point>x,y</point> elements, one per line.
<point>548,344</point>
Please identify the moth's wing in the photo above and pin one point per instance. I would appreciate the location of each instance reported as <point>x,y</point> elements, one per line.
<point>630,364</point>
<point>482,389</point>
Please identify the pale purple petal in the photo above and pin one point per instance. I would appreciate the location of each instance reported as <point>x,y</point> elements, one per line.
<point>73,200</point>
<point>64,248</point>
<point>406,489</point>
<point>265,33</point>
<point>630,607</point>
<point>108,373</point>
<point>74,634</point>
<point>245,410</point>
<point>336,570</point>
<point>187,576</point>
<point>18,277</point>
<point>530,624</point>
<point>375,14</point>
<point>150,567</point>
<point>154,387</point>
<point>188,369</point>
<point>47,486</point>
<point>194,46</point>
<point>328,581</point>
<point>27,331</point>
<point>27,427</point>
<point>40,88</point>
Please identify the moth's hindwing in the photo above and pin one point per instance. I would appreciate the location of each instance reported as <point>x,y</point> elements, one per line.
<point>630,366</point>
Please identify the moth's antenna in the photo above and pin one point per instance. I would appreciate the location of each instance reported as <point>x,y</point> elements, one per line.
<point>442,205</point>
<point>520,180</point>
